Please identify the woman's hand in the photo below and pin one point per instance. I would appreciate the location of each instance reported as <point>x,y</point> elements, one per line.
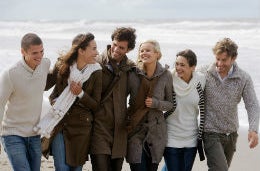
<point>148,102</point>
<point>75,88</point>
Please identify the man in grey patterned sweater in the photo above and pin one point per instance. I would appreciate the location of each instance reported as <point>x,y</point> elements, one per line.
<point>226,84</point>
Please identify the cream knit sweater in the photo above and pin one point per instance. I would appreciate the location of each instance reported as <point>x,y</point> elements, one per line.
<point>21,94</point>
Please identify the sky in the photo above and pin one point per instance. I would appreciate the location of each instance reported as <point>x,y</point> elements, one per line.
<point>128,9</point>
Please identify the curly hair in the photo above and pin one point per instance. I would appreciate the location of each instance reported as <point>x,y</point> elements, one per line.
<point>226,45</point>
<point>125,34</point>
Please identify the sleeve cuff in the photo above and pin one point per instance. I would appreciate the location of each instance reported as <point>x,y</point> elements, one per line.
<point>80,95</point>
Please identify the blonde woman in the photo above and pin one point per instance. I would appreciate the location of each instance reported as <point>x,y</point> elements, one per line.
<point>150,94</point>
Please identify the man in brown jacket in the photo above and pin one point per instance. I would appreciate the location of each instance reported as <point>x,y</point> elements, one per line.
<point>109,140</point>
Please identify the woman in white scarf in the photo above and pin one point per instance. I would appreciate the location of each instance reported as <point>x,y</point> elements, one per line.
<point>67,127</point>
<point>182,125</point>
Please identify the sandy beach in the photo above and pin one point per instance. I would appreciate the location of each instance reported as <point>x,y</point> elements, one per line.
<point>245,159</point>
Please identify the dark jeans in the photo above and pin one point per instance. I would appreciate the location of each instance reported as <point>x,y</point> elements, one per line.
<point>104,162</point>
<point>179,159</point>
<point>219,150</point>
<point>145,165</point>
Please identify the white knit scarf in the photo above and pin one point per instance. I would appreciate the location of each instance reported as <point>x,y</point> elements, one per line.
<point>65,100</point>
<point>181,87</point>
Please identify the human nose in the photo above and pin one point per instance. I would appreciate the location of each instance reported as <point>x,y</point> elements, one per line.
<point>219,63</point>
<point>97,53</point>
<point>116,49</point>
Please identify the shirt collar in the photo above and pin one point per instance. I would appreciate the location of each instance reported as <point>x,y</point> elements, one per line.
<point>228,75</point>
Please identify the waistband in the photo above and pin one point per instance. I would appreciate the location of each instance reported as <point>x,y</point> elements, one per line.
<point>216,133</point>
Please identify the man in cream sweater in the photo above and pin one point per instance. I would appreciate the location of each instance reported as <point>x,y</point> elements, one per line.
<point>21,94</point>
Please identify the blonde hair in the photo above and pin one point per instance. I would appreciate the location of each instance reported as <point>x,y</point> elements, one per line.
<point>156,49</point>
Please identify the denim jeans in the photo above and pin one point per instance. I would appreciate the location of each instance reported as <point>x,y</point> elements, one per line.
<point>24,153</point>
<point>179,159</point>
<point>59,155</point>
<point>219,149</point>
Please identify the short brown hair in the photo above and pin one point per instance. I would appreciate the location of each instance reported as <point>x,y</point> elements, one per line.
<point>226,45</point>
<point>189,55</point>
<point>30,39</point>
<point>125,34</point>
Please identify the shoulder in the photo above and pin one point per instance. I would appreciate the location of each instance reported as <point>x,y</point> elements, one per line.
<point>168,73</point>
<point>130,62</point>
<point>203,69</point>
<point>242,74</point>
<point>15,68</point>
<point>96,69</point>
<point>97,73</point>
<point>200,78</point>
<point>5,74</point>
<point>12,73</point>
<point>103,57</point>
<point>134,71</point>
<point>46,62</point>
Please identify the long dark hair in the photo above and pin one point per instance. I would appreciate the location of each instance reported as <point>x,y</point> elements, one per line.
<point>81,41</point>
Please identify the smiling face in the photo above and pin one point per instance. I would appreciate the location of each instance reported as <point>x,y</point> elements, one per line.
<point>33,55</point>
<point>147,53</point>
<point>89,54</point>
<point>119,49</point>
<point>183,69</point>
<point>224,63</point>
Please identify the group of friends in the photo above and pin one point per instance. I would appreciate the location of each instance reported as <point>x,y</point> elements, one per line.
<point>91,115</point>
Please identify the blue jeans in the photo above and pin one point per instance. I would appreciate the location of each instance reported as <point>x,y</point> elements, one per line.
<point>59,155</point>
<point>24,153</point>
<point>179,159</point>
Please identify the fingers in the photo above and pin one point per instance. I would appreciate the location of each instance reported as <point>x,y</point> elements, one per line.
<point>253,139</point>
<point>75,88</point>
<point>253,143</point>
<point>148,102</point>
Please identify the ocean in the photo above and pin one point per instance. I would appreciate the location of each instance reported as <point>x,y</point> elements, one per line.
<point>173,36</point>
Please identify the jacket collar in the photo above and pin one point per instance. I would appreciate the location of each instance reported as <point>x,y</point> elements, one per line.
<point>125,65</point>
<point>158,71</point>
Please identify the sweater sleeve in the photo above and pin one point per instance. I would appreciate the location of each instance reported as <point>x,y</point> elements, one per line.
<point>251,105</point>
<point>167,103</point>
<point>6,89</point>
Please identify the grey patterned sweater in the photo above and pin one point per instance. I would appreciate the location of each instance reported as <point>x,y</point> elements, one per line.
<point>222,98</point>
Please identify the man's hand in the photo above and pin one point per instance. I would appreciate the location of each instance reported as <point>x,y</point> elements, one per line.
<point>252,139</point>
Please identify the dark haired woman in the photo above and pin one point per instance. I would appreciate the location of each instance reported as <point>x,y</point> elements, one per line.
<point>77,75</point>
<point>182,125</point>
